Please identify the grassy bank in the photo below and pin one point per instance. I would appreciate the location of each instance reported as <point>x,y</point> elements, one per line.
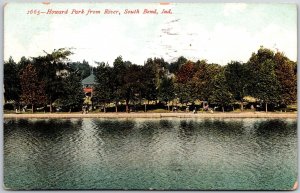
<point>156,115</point>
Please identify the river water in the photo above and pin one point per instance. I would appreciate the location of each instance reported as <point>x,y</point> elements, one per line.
<point>169,154</point>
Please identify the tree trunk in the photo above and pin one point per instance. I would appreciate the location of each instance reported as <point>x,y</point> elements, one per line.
<point>266,107</point>
<point>116,107</point>
<point>127,106</point>
<point>242,106</point>
<point>50,106</point>
<point>168,106</point>
<point>223,109</point>
<point>104,107</point>
<point>145,107</point>
<point>140,97</point>
<point>32,108</point>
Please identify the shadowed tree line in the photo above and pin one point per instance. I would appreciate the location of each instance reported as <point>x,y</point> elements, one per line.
<point>268,77</point>
<point>41,82</point>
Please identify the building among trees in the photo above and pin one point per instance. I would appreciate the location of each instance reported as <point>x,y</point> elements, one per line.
<point>88,85</point>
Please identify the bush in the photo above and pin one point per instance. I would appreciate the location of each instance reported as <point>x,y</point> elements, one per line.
<point>9,106</point>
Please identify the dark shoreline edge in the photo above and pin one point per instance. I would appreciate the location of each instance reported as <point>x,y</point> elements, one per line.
<point>154,115</point>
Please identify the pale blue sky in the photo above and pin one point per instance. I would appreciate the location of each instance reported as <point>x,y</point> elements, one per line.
<point>217,32</point>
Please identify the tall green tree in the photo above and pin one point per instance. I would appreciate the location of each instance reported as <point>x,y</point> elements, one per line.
<point>175,66</point>
<point>83,68</point>
<point>104,87</point>
<point>33,89</point>
<point>159,66</point>
<point>184,92</point>
<point>72,98</point>
<point>287,77</point>
<point>237,77</point>
<point>133,84</point>
<point>49,68</point>
<point>220,91</point>
<point>119,71</point>
<point>263,83</point>
<point>23,63</point>
<point>148,76</point>
<point>12,87</point>
<point>166,90</point>
<point>262,55</point>
<point>203,78</point>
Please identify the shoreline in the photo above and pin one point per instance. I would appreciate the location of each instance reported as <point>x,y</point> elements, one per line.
<point>155,115</point>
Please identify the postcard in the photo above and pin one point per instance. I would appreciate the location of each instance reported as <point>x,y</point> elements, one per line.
<point>150,96</point>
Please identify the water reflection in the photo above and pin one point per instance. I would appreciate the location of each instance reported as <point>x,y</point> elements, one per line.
<point>36,149</point>
<point>244,154</point>
<point>274,127</point>
<point>187,129</point>
<point>165,124</point>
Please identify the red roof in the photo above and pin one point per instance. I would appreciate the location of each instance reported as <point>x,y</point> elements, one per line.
<point>87,90</point>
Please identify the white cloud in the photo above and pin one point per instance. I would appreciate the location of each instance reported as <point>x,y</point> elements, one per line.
<point>138,37</point>
<point>233,8</point>
<point>276,37</point>
<point>12,47</point>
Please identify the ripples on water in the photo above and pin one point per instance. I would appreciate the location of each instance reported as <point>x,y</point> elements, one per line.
<point>206,154</point>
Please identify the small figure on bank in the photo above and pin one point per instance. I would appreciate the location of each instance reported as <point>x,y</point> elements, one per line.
<point>195,110</point>
<point>206,107</point>
<point>24,109</point>
<point>253,108</point>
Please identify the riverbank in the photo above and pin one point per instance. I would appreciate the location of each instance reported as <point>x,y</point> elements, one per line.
<point>155,115</point>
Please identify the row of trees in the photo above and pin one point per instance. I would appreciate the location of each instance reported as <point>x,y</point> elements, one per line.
<point>45,80</point>
<point>269,77</point>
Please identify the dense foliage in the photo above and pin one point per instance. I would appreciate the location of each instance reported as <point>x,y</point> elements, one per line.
<point>269,78</point>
